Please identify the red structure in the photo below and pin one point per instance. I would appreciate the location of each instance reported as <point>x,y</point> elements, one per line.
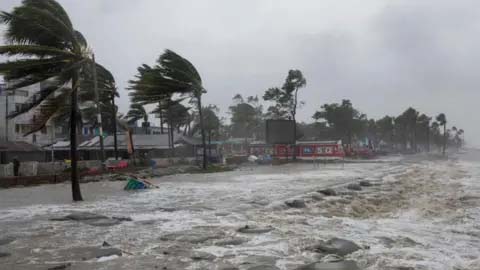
<point>309,150</point>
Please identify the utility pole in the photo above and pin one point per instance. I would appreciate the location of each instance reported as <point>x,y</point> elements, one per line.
<point>99,114</point>
<point>115,147</point>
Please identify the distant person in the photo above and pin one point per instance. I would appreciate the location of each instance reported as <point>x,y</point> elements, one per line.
<point>16,166</point>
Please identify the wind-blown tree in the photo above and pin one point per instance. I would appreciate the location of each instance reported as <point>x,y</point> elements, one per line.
<point>423,130</point>
<point>172,75</point>
<point>46,47</point>
<point>137,112</point>
<point>385,127</point>
<point>442,121</point>
<point>246,117</point>
<point>176,116</point>
<point>285,99</point>
<point>343,118</point>
<point>211,124</point>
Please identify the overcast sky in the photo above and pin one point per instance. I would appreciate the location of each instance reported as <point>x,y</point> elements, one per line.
<point>384,55</point>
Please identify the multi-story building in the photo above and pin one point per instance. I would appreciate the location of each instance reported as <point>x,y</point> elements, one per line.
<point>15,129</point>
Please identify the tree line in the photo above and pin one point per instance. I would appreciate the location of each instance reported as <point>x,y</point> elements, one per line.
<point>43,47</point>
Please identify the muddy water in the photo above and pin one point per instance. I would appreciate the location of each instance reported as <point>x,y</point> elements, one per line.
<point>417,213</point>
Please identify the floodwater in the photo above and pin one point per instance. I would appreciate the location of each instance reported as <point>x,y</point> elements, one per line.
<point>419,213</point>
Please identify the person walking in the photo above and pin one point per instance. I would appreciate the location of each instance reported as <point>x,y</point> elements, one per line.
<point>16,166</point>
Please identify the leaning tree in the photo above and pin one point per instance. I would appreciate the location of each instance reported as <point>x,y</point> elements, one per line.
<point>44,48</point>
<point>173,74</point>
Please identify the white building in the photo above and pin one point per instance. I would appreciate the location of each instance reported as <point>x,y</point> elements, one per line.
<point>14,129</point>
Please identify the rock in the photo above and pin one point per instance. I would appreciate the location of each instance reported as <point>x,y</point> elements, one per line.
<point>222,214</point>
<point>257,260</point>
<point>337,246</point>
<point>167,209</point>
<point>122,218</point>
<point>4,254</point>
<point>264,267</point>
<point>200,255</point>
<point>192,237</point>
<point>345,265</point>
<point>6,240</point>
<point>104,252</point>
<point>296,203</point>
<point>253,229</point>
<point>106,244</point>
<point>60,267</point>
<point>365,183</point>
<point>103,222</point>
<point>231,242</point>
<point>318,196</point>
<point>88,253</point>
<point>354,186</point>
<point>81,216</point>
<point>327,192</point>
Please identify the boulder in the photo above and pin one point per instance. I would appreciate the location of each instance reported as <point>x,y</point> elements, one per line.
<point>200,255</point>
<point>60,267</point>
<point>103,222</point>
<point>296,203</point>
<point>4,254</point>
<point>88,253</point>
<point>344,265</point>
<point>365,183</point>
<point>327,192</point>
<point>318,196</point>
<point>120,218</point>
<point>6,240</point>
<point>354,186</point>
<point>231,242</point>
<point>253,229</point>
<point>336,246</point>
<point>81,216</point>
<point>264,267</point>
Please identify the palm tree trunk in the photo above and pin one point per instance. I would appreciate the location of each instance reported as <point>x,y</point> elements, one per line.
<point>444,138</point>
<point>428,138</point>
<point>161,118</point>
<point>202,131</point>
<point>76,193</point>
<point>209,144</point>
<point>294,156</point>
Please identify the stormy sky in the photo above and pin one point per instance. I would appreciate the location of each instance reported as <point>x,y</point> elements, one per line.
<point>384,55</point>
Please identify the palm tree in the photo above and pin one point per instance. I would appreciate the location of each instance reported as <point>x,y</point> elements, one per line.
<point>176,116</point>
<point>442,121</point>
<point>46,47</point>
<point>137,112</point>
<point>173,75</point>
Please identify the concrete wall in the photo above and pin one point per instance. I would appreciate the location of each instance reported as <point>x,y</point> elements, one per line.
<point>6,170</point>
<point>50,168</point>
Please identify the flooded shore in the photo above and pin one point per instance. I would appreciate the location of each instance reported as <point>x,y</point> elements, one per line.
<point>400,213</point>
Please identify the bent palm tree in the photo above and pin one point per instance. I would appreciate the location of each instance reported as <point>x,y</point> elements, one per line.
<point>184,78</point>
<point>46,48</point>
<point>173,75</point>
<point>442,121</point>
<point>137,112</point>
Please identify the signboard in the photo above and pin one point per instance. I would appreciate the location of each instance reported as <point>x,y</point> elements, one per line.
<point>280,132</point>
